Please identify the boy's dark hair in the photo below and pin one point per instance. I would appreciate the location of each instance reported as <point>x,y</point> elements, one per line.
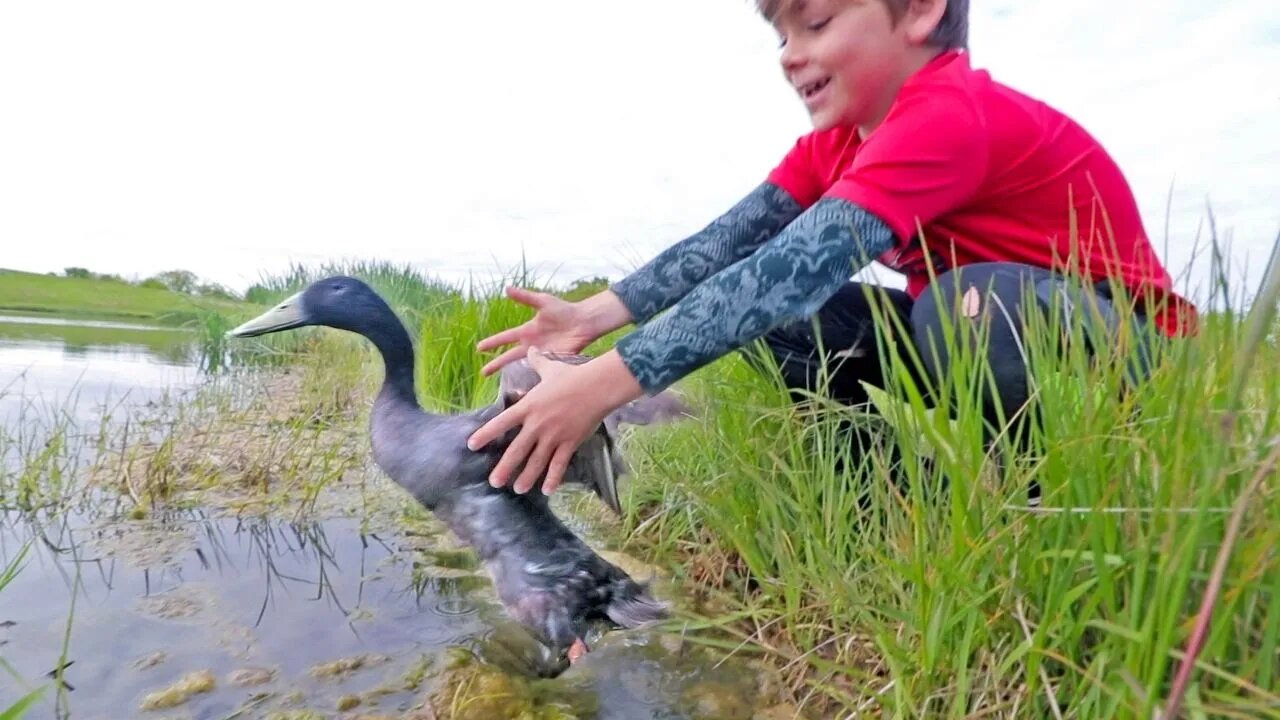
<point>952,30</point>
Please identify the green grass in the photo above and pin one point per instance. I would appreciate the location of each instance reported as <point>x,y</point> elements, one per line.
<point>103,299</point>
<point>407,290</point>
<point>913,600</point>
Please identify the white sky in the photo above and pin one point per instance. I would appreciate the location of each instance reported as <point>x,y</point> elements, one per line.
<point>231,138</point>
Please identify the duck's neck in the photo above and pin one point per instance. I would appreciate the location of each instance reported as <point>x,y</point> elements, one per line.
<point>392,341</point>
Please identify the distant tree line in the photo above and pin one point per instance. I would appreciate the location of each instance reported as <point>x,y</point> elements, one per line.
<point>188,283</point>
<point>179,281</point>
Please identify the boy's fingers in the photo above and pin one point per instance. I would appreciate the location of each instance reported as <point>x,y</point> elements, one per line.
<point>533,468</point>
<point>556,470</point>
<point>503,360</point>
<point>515,453</point>
<point>495,428</point>
<point>506,337</point>
<point>533,299</point>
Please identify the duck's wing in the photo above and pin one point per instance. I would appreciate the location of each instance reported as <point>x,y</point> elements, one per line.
<point>664,407</point>
<point>519,377</point>
<point>596,464</point>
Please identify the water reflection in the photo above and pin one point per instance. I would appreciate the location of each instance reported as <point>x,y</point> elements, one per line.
<point>218,594</point>
<point>305,612</point>
<point>42,320</point>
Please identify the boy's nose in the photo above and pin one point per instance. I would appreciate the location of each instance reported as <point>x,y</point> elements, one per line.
<point>792,58</point>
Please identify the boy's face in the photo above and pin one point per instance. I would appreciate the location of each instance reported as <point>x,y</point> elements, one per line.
<point>847,59</point>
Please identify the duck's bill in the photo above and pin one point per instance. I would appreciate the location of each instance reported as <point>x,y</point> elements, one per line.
<point>285,316</point>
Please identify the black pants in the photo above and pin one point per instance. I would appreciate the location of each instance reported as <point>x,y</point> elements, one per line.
<point>992,295</point>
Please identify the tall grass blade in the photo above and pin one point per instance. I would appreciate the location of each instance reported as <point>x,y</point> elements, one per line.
<point>20,708</point>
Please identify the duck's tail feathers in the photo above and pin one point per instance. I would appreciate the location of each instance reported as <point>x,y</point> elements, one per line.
<point>631,605</point>
<point>666,406</point>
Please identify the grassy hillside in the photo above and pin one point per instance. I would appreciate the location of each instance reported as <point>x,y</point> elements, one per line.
<point>92,297</point>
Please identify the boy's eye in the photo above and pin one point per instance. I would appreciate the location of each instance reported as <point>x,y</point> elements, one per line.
<point>815,26</point>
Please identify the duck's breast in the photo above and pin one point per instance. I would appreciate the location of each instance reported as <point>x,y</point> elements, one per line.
<point>427,454</point>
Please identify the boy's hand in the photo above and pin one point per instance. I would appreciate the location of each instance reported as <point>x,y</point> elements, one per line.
<point>555,417</point>
<point>559,325</point>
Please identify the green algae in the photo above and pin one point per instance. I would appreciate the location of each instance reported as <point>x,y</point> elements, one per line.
<point>345,666</point>
<point>201,681</point>
<point>471,689</point>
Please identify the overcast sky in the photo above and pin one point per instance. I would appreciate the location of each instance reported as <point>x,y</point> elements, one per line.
<point>232,138</point>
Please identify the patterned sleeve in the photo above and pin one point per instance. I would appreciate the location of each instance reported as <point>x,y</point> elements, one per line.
<point>661,282</point>
<point>788,278</point>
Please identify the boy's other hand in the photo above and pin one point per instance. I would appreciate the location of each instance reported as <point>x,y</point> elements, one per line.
<point>558,326</point>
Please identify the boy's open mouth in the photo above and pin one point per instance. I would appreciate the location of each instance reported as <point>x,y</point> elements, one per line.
<point>810,89</point>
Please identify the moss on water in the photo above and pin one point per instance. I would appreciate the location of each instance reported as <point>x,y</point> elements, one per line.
<point>345,666</point>
<point>294,715</point>
<point>470,689</point>
<point>710,700</point>
<point>147,662</point>
<point>250,677</point>
<point>201,681</point>
<point>417,672</point>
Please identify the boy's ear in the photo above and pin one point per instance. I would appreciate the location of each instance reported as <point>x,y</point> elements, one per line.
<point>922,18</point>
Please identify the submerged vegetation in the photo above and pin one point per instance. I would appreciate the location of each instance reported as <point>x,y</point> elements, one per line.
<point>922,587</point>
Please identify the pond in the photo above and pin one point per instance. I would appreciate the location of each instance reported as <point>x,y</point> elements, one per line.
<point>80,370</point>
<point>351,611</point>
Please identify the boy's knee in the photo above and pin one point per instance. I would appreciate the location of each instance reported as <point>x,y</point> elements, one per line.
<point>974,310</point>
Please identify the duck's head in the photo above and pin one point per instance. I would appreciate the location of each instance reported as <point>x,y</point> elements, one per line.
<point>338,302</point>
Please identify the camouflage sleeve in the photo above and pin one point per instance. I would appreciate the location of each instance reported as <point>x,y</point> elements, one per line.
<point>788,278</point>
<point>739,232</point>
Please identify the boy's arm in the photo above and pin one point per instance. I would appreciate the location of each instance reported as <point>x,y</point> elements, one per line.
<point>670,276</point>
<point>789,278</point>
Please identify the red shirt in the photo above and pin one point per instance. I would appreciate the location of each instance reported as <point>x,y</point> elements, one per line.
<point>987,174</point>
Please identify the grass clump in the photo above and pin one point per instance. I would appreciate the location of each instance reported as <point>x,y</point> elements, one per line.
<point>448,369</point>
<point>406,289</point>
<point>932,588</point>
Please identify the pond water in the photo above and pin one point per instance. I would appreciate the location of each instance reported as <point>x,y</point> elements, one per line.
<point>54,368</point>
<point>341,615</point>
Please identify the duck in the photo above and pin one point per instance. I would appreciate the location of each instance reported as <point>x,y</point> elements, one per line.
<point>546,577</point>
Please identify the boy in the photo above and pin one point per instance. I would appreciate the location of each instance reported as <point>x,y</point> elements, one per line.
<point>916,160</point>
